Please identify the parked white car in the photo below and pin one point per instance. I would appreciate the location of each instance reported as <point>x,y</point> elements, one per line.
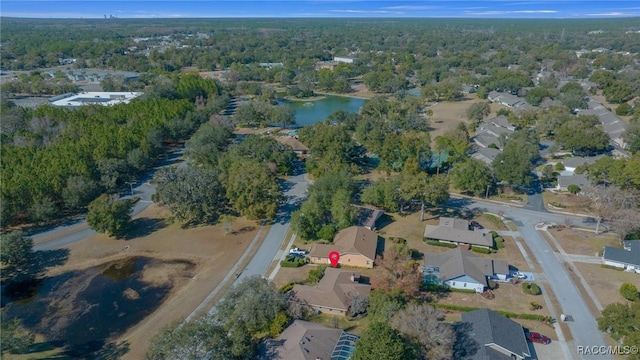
<point>520,275</point>
<point>298,251</point>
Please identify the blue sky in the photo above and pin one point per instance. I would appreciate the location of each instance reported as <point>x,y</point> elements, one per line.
<point>322,9</point>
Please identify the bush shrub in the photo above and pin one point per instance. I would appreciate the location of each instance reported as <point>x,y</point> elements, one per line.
<point>556,204</point>
<point>290,261</point>
<point>480,250</point>
<point>287,287</point>
<point>629,291</point>
<point>493,233</point>
<point>438,243</point>
<point>499,242</point>
<point>466,291</point>
<point>611,267</point>
<point>532,317</point>
<point>559,166</point>
<point>397,240</point>
<point>316,274</point>
<point>531,288</point>
<point>573,188</point>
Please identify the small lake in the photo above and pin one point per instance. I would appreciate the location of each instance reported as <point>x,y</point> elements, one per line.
<point>311,112</point>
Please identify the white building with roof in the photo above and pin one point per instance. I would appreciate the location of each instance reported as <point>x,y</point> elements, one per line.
<point>93,98</point>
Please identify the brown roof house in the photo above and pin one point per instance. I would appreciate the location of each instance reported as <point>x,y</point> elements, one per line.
<point>456,231</point>
<point>299,148</point>
<point>459,269</point>
<point>304,340</point>
<point>368,217</point>
<point>357,247</point>
<point>334,292</point>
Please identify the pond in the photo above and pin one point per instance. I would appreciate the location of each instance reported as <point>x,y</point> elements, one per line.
<point>82,310</point>
<point>311,112</point>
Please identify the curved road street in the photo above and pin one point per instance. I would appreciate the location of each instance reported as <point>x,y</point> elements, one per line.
<point>78,230</point>
<point>584,329</point>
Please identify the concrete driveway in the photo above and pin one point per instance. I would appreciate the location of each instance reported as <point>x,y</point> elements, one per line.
<point>584,329</point>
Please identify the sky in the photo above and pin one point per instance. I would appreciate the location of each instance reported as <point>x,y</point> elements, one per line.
<point>560,9</point>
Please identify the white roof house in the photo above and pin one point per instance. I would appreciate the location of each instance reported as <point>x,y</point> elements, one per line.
<point>94,98</point>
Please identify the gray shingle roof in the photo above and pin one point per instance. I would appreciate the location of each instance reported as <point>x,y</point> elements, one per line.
<point>490,330</point>
<point>630,256</point>
<point>458,235</point>
<point>457,262</point>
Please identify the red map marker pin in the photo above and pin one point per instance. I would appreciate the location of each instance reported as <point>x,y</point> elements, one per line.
<point>334,257</point>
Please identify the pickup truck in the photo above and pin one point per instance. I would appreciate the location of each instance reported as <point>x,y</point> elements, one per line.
<point>298,251</point>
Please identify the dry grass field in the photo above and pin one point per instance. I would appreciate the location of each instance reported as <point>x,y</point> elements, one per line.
<point>606,283</point>
<point>582,242</point>
<point>209,252</point>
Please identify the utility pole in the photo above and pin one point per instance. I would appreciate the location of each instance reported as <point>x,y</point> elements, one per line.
<point>486,195</point>
<point>130,183</point>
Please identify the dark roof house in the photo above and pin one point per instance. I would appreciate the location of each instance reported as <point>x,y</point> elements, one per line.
<point>627,258</point>
<point>454,231</point>
<point>497,337</point>
<point>457,263</point>
<point>304,340</point>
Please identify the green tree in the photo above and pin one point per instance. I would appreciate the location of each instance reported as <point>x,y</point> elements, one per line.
<point>632,135</point>
<point>381,342</point>
<point>207,144</point>
<point>252,189</point>
<point>44,209</point>
<point>193,195</point>
<point>582,134</point>
<point>622,322</point>
<point>629,291</point>
<point>515,163</point>
<point>478,111</point>
<point>16,249</point>
<point>252,305</point>
<point>383,305</point>
<point>203,338</point>
<point>110,216</point>
<point>15,338</point>
<point>473,176</point>
<point>79,191</point>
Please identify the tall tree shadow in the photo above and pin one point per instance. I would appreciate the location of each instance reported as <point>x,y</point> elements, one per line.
<point>144,226</point>
<point>465,345</point>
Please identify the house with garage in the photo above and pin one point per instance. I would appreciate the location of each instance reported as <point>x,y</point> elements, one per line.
<point>304,340</point>
<point>356,245</point>
<point>456,231</point>
<point>460,269</point>
<point>493,336</point>
<point>334,292</point>
<point>579,180</point>
<point>368,216</point>
<point>626,258</point>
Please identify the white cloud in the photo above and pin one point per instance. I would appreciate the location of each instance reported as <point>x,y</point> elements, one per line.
<point>356,11</point>
<point>613,13</point>
<point>412,7</point>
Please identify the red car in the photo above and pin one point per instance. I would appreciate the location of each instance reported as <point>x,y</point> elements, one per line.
<point>537,337</point>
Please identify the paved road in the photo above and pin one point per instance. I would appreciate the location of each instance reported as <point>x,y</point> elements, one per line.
<point>295,190</point>
<point>584,328</point>
<point>77,230</point>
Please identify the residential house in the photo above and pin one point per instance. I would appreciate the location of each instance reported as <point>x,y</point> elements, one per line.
<point>334,292</point>
<point>484,154</point>
<point>627,258</point>
<point>460,269</point>
<point>577,179</point>
<point>344,59</point>
<point>299,148</point>
<point>271,65</point>
<point>451,230</point>
<point>611,124</point>
<point>357,247</point>
<point>496,337</point>
<point>572,163</point>
<point>506,99</point>
<point>489,132</point>
<point>304,340</point>
<point>326,65</point>
<point>503,122</point>
<point>368,217</point>
<point>468,89</point>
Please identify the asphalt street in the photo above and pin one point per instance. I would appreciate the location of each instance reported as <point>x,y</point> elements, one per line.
<point>295,192</point>
<point>584,328</point>
<point>74,231</point>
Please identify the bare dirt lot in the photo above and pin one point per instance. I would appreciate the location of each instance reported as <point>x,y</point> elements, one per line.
<point>186,264</point>
<point>581,242</point>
